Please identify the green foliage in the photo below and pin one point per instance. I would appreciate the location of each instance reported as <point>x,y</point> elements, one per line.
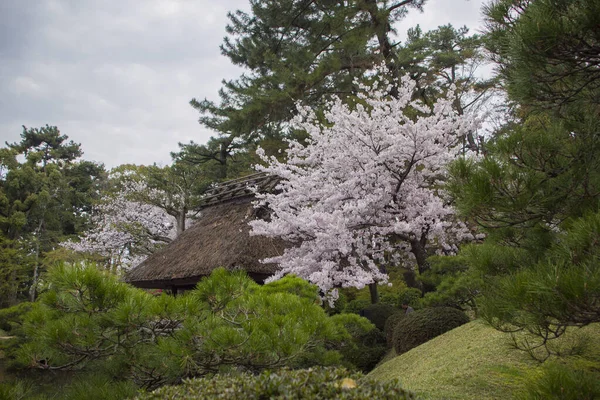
<point>318,383</point>
<point>379,313</point>
<point>559,381</point>
<point>292,52</point>
<point>11,322</point>
<point>15,266</point>
<point>88,320</point>
<point>289,50</point>
<point>98,387</point>
<point>532,192</point>
<point>410,296</point>
<point>175,188</point>
<point>539,181</point>
<point>390,327</point>
<point>294,285</point>
<point>46,145</point>
<point>219,159</point>
<point>423,325</point>
<point>559,291</point>
<point>547,51</point>
<point>356,306</point>
<point>358,299</point>
<point>442,58</point>
<point>456,285</point>
<point>11,319</point>
<point>16,391</point>
<point>366,346</point>
<point>46,196</point>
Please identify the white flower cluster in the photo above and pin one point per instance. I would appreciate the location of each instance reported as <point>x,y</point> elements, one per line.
<point>125,231</point>
<point>369,180</point>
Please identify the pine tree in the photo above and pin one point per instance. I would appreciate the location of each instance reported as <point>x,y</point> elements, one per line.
<point>536,191</point>
<point>295,50</point>
<point>46,196</point>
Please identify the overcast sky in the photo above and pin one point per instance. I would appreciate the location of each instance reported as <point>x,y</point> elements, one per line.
<point>117,75</point>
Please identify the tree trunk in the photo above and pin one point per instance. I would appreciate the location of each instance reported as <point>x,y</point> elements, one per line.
<point>180,222</point>
<point>417,247</point>
<point>381,25</point>
<point>223,153</point>
<point>36,268</point>
<point>32,289</point>
<point>374,293</point>
<point>418,250</point>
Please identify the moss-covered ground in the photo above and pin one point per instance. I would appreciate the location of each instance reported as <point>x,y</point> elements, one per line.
<point>473,361</point>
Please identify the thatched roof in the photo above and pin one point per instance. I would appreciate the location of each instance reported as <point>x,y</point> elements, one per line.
<point>238,188</point>
<point>219,238</point>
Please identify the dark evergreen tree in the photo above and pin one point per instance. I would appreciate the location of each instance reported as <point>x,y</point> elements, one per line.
<point>45,197</point>
<point>294,50</point>
<point>447,58</point>
<point>536,192</point>
<point>305,51</point>
<point>298,50</point>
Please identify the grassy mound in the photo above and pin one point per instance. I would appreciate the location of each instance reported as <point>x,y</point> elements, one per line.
<point>423,325</point>
<point>473,361</point>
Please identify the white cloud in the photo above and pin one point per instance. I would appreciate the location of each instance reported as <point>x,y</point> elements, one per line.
<point>117,75</point>
<point>27,86</point>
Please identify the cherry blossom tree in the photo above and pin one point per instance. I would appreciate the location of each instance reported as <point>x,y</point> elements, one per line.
<point>366,189</point>
<point>176,188</point>
<point>123,231</point>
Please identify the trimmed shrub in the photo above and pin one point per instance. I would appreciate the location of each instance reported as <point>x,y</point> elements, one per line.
<point>390,326</point>
<point>367,346</point>
<point>356,306</point>
<point>379,313</point>
<point>423,325</point>
<point>371,348</point>
<point>309,384</point>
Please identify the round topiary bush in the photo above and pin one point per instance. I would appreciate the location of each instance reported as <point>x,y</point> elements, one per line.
<point>423,325</point>
<point>379,313</point>
<point>390,326</point>
<point>310,384</point>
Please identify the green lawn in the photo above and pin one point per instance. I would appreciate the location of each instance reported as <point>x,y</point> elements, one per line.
<point>473,361</point>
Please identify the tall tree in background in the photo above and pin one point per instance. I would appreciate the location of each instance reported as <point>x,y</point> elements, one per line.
<point>46,197</point>
<point>537,191</point>
<point>142,209</point>
<point>176,188</point>
<point>220,158</point>
<point>296,50</point>
<point>124,232</point>
<point>309,51</point>
<point>446,58</point>
<point>366,189</point>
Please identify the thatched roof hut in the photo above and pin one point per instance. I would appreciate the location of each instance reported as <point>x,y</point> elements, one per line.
<point>219,238</point>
